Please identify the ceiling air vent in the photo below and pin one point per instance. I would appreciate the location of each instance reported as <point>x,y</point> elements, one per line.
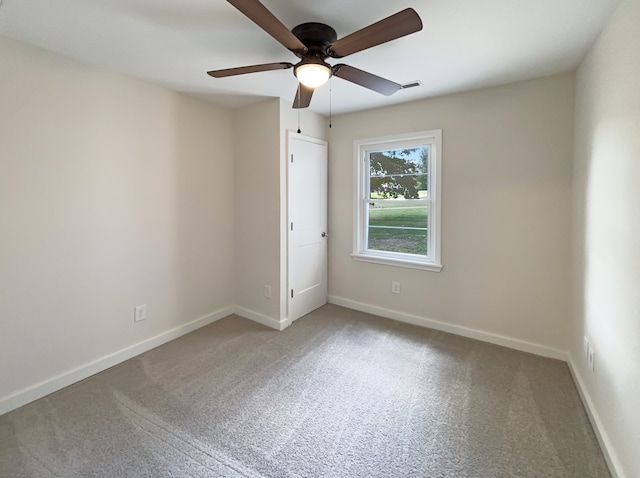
<point>411,84</point>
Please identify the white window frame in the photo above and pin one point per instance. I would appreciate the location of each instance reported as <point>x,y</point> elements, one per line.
<point>362,148</point>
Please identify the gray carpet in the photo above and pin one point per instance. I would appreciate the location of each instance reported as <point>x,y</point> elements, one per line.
<point>338,394</point>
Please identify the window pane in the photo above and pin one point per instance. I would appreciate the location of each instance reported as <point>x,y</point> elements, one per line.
<point>408,241</point>
<point>398,226</point>
<point>398,173</point>
<point>399,213</point>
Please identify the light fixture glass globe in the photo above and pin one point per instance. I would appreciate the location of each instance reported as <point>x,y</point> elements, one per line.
<point>313,75</point>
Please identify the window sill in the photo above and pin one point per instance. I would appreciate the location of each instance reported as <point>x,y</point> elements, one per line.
<point>388,261</point>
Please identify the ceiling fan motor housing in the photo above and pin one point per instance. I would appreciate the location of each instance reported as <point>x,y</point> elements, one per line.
<point>317,37</point>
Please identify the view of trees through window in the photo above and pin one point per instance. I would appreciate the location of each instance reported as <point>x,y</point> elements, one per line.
<point>398,200</point>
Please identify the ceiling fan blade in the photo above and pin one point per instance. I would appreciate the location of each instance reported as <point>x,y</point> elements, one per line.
<point>248,69</point>
<point>402,23</point>
<point>303,96</point>
<point>258,13</point>
<point>368,80</point>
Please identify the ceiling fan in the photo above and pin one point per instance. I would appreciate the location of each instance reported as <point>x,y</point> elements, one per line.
<point>314,42</point>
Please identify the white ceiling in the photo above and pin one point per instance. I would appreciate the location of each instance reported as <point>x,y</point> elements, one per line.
<point>464,45</point>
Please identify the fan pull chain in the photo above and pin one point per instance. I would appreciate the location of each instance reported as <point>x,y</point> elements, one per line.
<point>299,108</point>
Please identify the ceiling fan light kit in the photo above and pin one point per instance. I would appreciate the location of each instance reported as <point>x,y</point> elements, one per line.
<point>312,74</point>
<point>314,42</point>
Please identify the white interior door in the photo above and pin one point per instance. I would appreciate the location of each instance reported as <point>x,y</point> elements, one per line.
<point>307,206</point>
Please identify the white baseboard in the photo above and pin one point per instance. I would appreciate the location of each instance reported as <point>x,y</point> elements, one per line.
<point>603,438</point>
<point>27,395</point>
<point>509,342</point>
<point>262,319</point>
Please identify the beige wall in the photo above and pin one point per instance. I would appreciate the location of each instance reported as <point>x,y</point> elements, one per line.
<point>506,196</point>
<point>260,195</point>
<point>607,233</point>
<point>116,193</point>
<point>257,210</point>
<point>111,195</point>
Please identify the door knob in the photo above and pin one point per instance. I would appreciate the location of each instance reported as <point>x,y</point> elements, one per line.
<point>324,234</point>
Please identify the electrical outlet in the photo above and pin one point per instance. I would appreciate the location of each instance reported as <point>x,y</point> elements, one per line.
<point>140,313</point>
<point>395,287</point>
<point>267,291</point>
<point>591,358</point>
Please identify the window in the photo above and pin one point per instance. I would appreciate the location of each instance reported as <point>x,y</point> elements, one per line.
<point>398,200</point>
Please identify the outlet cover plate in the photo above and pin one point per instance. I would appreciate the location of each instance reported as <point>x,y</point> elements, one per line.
<point>140,313</point>
<point>395,287</point>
